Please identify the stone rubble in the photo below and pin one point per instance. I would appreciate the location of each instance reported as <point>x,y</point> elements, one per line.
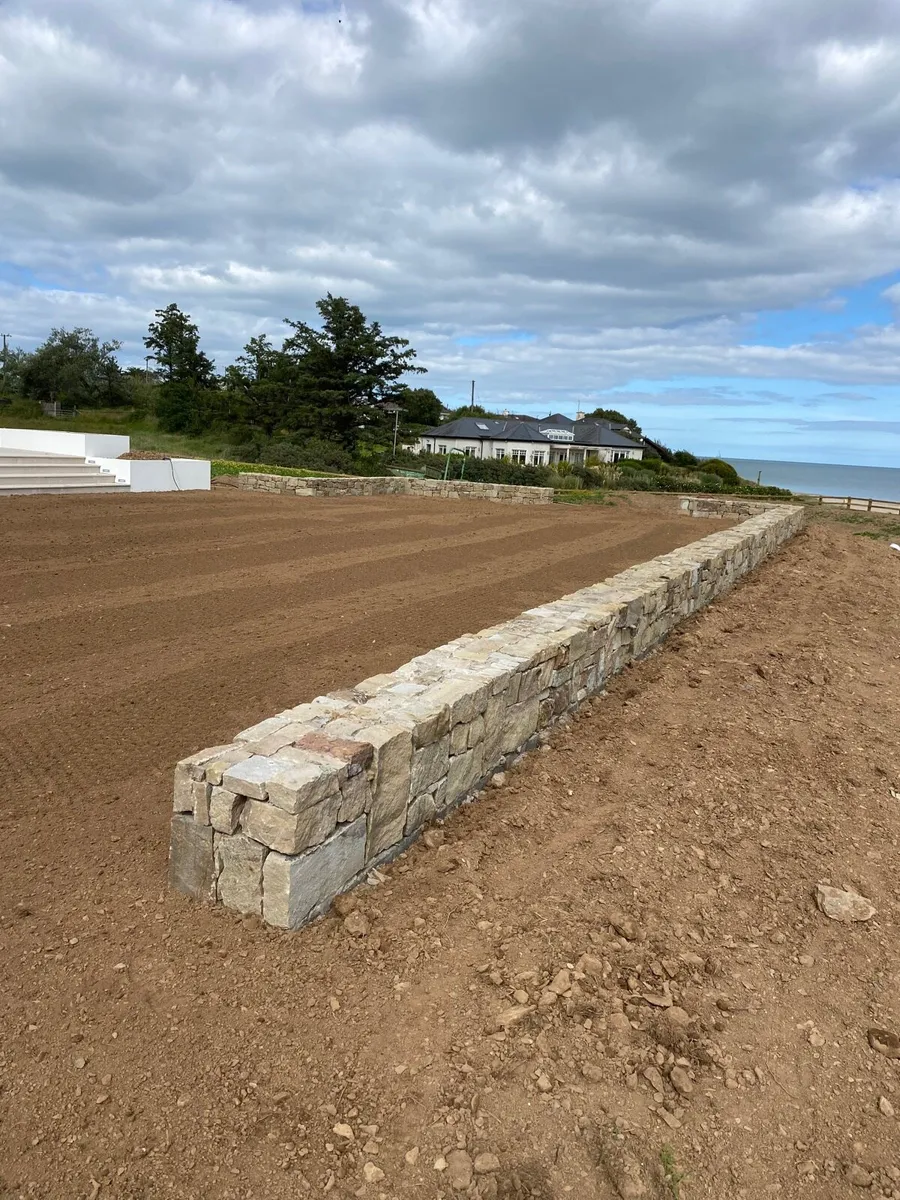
<point>304,805</point>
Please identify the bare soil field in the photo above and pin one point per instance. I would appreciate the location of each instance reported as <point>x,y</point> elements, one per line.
<point>608,978</point>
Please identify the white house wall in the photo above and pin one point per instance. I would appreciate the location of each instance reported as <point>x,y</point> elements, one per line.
<point>552,452</point>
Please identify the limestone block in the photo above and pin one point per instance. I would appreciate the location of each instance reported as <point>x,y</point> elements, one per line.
<point>390,779</point>
<point>297,784</point>
<point>183,798</point>
<point>356,797</point>
<point>521,721</point>
<point>429,765</point>
<point>200,794</point>
<point>197,766</point>
<point>475,731</point>
<point>346,750</point>
<point>250,777</point>
<point>218,764</point>
<point>239,868</point>
<point>459,741</point>
<point>465,771</point>
<point>294,886</point>
<point>191,862</point>
<point>290,833</point>
<point>421,811</point>
<point>264,728</point>
<point>224,809</point>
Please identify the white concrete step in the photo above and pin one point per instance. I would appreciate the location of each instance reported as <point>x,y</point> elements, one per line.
<point>27,473</point>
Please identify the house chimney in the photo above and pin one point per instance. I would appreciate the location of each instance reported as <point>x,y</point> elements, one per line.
<point>579,416</point>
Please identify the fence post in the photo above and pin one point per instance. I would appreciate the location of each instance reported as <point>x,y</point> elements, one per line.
<point>869,509</point>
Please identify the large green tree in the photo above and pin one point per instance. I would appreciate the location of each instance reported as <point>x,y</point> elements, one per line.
<point>262,387</point>
<point>12,370</point>
<point>344,370</point>
<point>188,401</point>
<point>73,367</point>
<point>420,406</point>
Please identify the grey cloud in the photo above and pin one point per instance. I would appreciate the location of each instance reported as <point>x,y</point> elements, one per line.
<point>623,181</point>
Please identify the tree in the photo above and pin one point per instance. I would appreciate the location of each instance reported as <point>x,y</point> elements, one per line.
<point>420,406</point>
<point>684,458</point>
<point>12,370</point>
<point>472,410</point>
<point>187,401</point>
<point>344,370</point>
<point>75,368</point>
<point>616,418</point>
<point>175,341</point>
<point>262,386</point>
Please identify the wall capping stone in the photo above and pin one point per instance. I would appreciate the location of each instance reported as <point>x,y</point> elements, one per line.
<point>302,805</point>
<point>391,485</point>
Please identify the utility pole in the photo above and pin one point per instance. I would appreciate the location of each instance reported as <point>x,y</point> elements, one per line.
<point>472,401</point>
<point>5,337</point>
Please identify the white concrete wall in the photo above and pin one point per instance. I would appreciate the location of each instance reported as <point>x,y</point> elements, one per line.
<point>159,475</point>
<point>79,445</point>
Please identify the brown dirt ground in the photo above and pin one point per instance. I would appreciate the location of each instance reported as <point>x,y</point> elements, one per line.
<point>155,1048</point>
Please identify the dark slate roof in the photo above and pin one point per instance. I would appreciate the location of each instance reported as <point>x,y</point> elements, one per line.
<point>586,433</point>
<point>600,433</point>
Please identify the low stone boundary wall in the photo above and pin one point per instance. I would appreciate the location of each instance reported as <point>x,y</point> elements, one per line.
<point>301,806</point>
<point>714,506</point>
<point>390,485</point>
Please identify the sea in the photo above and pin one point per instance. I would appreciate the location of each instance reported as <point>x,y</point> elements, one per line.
<point>823,479</point>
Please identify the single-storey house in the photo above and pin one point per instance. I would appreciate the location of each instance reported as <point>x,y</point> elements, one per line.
<point>536,442</point>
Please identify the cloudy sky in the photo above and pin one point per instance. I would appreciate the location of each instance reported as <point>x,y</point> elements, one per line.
<point>687,209</point>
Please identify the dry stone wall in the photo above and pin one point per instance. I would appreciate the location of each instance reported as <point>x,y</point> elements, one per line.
<point>716,506</point>
<point>303,805</point>
<point>389,485</point>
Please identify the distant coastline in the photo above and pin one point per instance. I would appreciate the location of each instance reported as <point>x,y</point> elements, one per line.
<point>823,479</point>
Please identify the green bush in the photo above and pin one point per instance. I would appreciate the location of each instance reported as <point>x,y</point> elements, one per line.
<point>227,467</point>
<point>684,458</point>
<point>315,454</point>
<point>718,466</point>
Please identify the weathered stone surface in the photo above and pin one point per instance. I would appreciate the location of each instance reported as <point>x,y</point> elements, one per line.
<point>191,863</point>
<point>429,765</point>
<point>224,809</point>
<point>465,771</point>
<point>251,776</point>
<point>353,753</point>
<point>290,833</point>
<point>294,886</point>
<point>459,739</point>
<point>195,765</point>
<point>299,784</point>
<point>239,867</point>
<point>200,793</point>
<point>520,722</point>
<point>356,797</point>
<point>183,798</point>
<point>391,784</point>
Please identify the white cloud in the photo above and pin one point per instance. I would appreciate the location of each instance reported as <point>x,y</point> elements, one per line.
<point>624,182</point>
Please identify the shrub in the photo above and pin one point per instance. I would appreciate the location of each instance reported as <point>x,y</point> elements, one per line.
<point>315,454</point>
<point>718,466</point>
<point>684,458</point>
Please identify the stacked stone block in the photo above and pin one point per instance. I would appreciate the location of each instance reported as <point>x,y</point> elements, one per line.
<point>301,806</point>
<point>389,485</point>
<point>721,506</point>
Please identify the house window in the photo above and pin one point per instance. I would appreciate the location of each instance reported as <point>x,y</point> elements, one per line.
<point>537,457</point>
<point>470,450</point>
<point>499,453</point>
<point>518,456</point>
<point>442,449</point>
<point>428,447</point>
